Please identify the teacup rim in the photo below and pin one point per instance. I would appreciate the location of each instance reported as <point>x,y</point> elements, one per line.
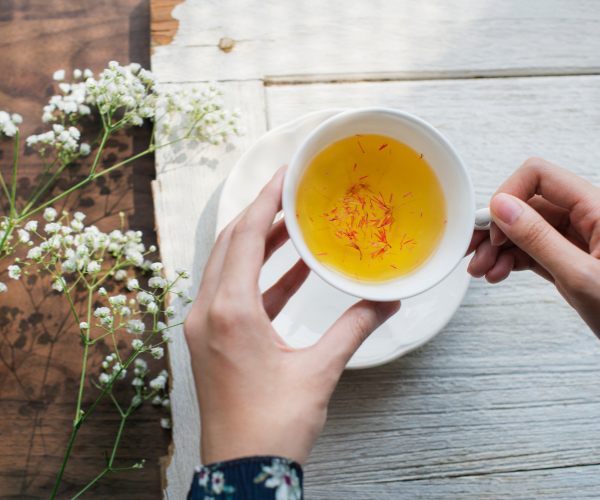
<point>365,290</point>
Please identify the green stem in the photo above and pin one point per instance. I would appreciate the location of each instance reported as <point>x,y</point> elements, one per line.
<point>112,457</point>
<point>100,476</point>
<point>85,356</point>
<point>100,149</point>
<point>64,464</point>
<point>13,199</point>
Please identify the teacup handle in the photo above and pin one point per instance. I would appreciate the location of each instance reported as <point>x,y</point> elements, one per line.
<point>483,217</point>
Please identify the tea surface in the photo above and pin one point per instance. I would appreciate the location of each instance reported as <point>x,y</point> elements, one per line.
<point>371,207</point>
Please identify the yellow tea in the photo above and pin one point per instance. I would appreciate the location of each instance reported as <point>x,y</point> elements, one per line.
<point>371,207</point>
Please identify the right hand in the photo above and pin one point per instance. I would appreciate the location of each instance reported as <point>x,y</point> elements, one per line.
<point>547,220</point>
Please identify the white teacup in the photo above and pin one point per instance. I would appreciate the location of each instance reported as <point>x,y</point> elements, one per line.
<point>443,159</point>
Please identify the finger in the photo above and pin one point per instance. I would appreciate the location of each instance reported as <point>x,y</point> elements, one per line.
<point>276,297</point>
<point>214,265</point>
<point>347,334</point>
<point>555,216</point>
<point>246,251</point>
<point>515,259</point>
<point>529,231</point>
<point>277,236</point>
<point>476,239</point>
<point>497,237</point>
<point>562,188</point>
<point>484,259</point>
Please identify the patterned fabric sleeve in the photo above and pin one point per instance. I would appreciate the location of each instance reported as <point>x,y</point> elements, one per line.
<point>252,478</point>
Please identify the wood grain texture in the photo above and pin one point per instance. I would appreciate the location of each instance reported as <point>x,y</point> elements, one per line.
<point>40,351</point>
<point>511,383</point>
<point>508,389</point>
<point>290,40</point>
<point>162,25</point>
<point>189,178</point>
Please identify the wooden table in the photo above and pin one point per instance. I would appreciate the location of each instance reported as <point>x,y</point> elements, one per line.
<point>504,403</point>
<point>40,350</point>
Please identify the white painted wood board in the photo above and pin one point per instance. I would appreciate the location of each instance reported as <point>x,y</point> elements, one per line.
<point>379,39</point>
<point>189,177</point>
<point>508,389</point>
<point>512,382</point>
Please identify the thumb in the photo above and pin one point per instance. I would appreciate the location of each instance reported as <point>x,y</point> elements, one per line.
<point>347,334</point>
<point>531,233</point>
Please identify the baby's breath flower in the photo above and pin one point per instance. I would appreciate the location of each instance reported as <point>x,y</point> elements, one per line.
<point>158,383</point>
<point>3,287</point>
<point>59,75</point>
<point>145,298</point>
<point>85,149</point>
<point>102,291</point>
<point>152,308</point>
<point>137,344</point>
<point>152,249</point>
<point>157,401</point>
<point>133,284</point>
<point>135,326</point>
<point>105,365</point>
<point>83,325</point>
<point>165,423</point>
<point>120,275</point>
<point>24,236</point>
<point>34,253</point>
<point>140,363</point>
<point>77,225</point>
<point>87,73</point>
<point>104,378</point>
<point>59,284</point>
<point>157,352</point>
<point>136,401</point>
<point>102,312</point>
<point>156,267</point>
<point>161,326</point>
<point>125,312</point>
<point>117,300</point>
<point>167,336</point>
<point>183,273</point>
<point>52,228</point>
<point>166,403</point>
<point>157,282</point>
<point>170,312</point>
<point>79,216</point>
<point>50,214</point>
<point>14,272</point>
<point>31,225</point>
<point>137,382</point>
<point>93,267</point>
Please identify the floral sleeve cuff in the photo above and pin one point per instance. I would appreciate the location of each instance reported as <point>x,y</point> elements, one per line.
<point>252,478</point>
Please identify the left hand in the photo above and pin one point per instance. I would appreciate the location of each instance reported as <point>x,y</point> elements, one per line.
<point>258,396</point>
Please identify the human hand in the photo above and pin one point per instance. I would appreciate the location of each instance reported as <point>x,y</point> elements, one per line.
<point>546,219</point>
<point>257,396</point>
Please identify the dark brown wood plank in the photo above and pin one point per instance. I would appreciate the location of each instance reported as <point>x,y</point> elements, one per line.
<point>40,352</point>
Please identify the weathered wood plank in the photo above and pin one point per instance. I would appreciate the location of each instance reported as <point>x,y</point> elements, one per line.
<point>551,484</point>
<point>291,41</point>
<point>511,383</point>
<point>189,177</point>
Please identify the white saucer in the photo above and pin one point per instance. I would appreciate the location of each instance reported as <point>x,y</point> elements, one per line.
<point>317,305</point>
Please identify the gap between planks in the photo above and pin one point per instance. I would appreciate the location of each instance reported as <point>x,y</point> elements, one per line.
<point>408,76</point>
<point>466,474</point>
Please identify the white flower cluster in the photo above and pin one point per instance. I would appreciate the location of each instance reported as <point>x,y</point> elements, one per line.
<point>73,99</point>
<point>64,139</point>
<point>8,123</point>
<point>112,371</point>
<point>197,112</point>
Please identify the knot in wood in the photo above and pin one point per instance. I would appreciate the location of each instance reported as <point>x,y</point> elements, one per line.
<point>226,44</point>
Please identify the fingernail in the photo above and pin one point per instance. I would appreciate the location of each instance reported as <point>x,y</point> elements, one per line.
<point>506,207</point>
<point>387,309</point>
